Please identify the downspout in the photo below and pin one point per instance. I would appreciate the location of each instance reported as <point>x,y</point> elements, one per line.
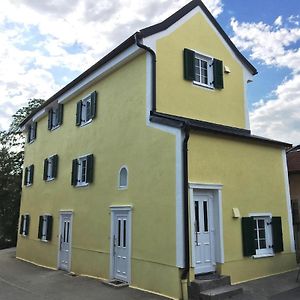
<point>186,130</point>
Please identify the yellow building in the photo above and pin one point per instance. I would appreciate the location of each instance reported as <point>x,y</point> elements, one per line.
<point>143,169</point>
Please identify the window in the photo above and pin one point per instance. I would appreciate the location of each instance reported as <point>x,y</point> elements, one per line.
<point>24,225</point>
<point>82,170</point>
<point>55,117</point>
<point>262,235</point>
<point>28,175</point>
<point>31,132</point>
<point>45,228</point>
<point>123,178</point>
<point>50,167</point>
<point>86,109</point>
<point>203,70</point>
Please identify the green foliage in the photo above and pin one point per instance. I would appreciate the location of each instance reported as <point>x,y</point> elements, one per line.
<point>11,161</point>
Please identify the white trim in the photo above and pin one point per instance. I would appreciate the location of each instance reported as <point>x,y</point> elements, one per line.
<point>102,71</point>
<point>38,115</point>
<point>260,215</point>
<point>288,200</point>
<point>179,159</point>
<point>263,255</point>
<point>206,186</point>
<point>113,210</point>
<point>125,187</point>
<point>65,212</point>
<point>216,191</point>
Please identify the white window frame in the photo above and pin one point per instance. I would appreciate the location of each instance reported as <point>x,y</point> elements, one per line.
<point>50,168</point>
<point>210,76</point>
<point>267,218</point>
<point>31,133</point>
<point>29,169</point>
<point>122,187</point>
<point>80,161</point>
<point>44,228</point>
<point>55,117</point>
<point>24,224</point>
<point>84,102</point>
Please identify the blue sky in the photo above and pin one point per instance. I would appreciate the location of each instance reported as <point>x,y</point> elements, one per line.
<point>46,44</point>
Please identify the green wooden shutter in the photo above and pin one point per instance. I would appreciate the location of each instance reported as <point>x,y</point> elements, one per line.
<point>93,104</point>
<point>25,175</point>
<point>74,172</point>
<point>50,112</point>
<point>78,113</point>
<point>28,133</point>
<point>248,234</point>
<point>45,175</point>
<point>60,113</point>
<point>218,74</point>
<point>27,218</point>
<point>34,130</point>
<point>189,64</point>
<point>31,168</point>
<point>49,228</point>
<point>90,168</point>
<point>21,224</point>
<point>54,165</point>
<point>40,232</point>
<point>277,234</point>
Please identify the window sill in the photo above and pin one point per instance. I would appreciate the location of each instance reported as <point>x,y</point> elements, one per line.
<point>86,123</point>
<point>53,128</point>
<point>263,255</point>
<point>50,179</point>
<point>44,241</point>
<point>122,188</point>
<point>81,185</point>
<point>203,85</point>
<point>28,185</point>
<point>32,141</point>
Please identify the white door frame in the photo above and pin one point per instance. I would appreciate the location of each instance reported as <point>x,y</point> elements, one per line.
<point>114,210</point>
<point>65,212</point>
<point>216,191</point>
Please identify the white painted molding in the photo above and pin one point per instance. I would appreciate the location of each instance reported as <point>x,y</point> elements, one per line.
<point>288,200</point>
<point>260,214</point>
<point>207,186</point>
<point>121,207</point>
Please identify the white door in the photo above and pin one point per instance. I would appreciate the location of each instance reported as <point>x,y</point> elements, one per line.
<point>204,234</point>
<point>65,237</point>
<point>121,240</point>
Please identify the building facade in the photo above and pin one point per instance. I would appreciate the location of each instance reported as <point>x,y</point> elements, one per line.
<point>143,169</point>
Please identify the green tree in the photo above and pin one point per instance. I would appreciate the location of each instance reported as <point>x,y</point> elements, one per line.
<point>12,144</point>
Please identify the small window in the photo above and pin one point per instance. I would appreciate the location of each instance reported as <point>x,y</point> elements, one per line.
<point>123,178</point>
<point>50,168</point>
<point>55,117</point>
<point>263,235</point>
<point>31,132</point>
<point>45,228</point>
<point>86,109</point>
<point>28,175</point>
<point>82,170</point>
<point>24,225</point>
<point>203,70</point>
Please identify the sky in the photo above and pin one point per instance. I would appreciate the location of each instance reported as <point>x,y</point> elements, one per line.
<point>46,44</point>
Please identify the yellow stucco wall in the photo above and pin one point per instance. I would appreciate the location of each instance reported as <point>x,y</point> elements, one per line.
<point>253,181</point>
<point>117,136</point>
<point>179,97</point>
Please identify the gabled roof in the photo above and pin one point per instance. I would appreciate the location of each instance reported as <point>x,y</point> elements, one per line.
<point>143,33</point>
<point>293,159</point>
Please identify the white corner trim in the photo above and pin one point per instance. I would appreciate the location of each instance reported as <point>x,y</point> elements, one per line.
<point>288,200</point>
<point>179,160</point>
<point>208,186</point>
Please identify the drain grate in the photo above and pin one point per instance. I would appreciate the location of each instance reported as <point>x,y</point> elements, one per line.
<point>116,283</point>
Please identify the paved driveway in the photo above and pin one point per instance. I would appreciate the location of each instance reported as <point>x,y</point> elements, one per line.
<point>23,281</point>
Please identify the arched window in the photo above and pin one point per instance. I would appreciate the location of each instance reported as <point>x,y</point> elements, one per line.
<point>123,177</point>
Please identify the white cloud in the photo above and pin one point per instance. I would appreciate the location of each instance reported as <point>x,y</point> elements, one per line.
<point>278,117</point>
<point>37,37</point>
